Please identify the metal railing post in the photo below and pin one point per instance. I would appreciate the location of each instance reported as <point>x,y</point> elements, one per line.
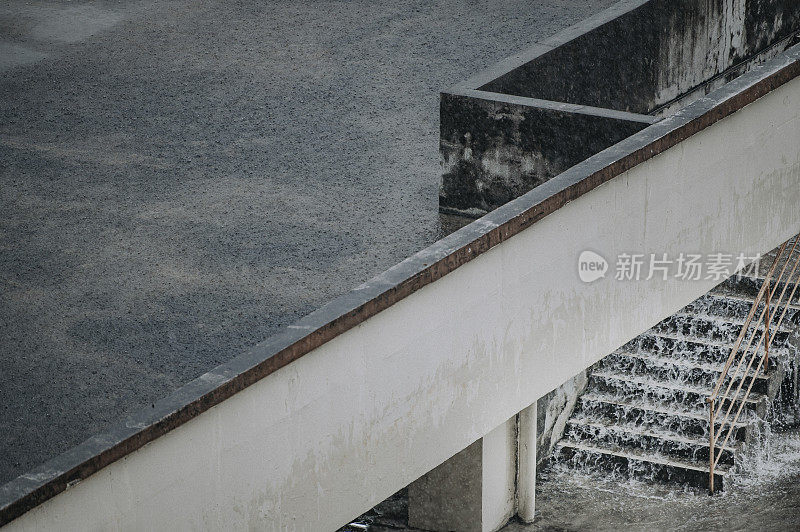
<point>766,329</point>
<point>711,447</point>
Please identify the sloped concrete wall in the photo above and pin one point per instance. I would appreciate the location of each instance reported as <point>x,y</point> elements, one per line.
<point>328,436</point>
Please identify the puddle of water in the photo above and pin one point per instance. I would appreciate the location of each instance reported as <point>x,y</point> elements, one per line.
<point>764,495</point>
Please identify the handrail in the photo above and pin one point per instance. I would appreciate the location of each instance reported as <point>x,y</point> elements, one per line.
<point>717,400</point>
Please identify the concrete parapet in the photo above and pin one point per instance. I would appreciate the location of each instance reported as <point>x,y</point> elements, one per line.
<point>495,148</point>
<point>523,121</point>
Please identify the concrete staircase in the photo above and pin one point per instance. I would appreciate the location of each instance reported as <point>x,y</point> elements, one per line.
<point>644,412</point>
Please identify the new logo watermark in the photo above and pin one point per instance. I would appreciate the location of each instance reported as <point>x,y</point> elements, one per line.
<point>684,266</point>
<point>591,266</point>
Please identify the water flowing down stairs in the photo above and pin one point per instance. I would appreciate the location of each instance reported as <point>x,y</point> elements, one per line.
<point>644,411</point>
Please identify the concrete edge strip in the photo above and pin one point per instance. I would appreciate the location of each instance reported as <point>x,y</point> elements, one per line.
<point>542,47</point>
<point>555,106</point>
<point>44,482</point>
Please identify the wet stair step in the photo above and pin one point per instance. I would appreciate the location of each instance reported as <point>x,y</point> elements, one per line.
<point>751,285</point>
<point>662,467</point>
<point>682,346</point>
<point>745,300</point>
<point>679,392</point>
<point>689,421</point>
<point>646,436</point>
<point>723,329</point>
<point>677,369</point>
<point>735,307</point>
<point>645,411</point>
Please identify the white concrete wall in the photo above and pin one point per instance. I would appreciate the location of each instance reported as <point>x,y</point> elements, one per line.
<point>498,472</point>
<point>330,435</point>
<point>526,463</point>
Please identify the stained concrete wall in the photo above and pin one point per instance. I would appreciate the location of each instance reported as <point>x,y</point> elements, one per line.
<point>528,122</point>
<point>339,429</point>
<point>669,46</point>
<point>495,148</point>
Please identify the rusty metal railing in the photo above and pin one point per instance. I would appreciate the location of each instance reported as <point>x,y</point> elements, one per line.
<point>764,335</point>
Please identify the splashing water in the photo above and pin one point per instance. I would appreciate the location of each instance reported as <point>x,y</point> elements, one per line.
<point>763,495</point>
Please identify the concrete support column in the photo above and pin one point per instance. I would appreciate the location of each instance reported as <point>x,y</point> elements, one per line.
<point>526,464</point>
<point>473,490</point>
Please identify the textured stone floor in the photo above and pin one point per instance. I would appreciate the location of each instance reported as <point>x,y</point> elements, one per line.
<point>178,180</point>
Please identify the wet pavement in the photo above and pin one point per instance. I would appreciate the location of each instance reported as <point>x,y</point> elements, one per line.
<point>178,180</point>
<point>764,495</point>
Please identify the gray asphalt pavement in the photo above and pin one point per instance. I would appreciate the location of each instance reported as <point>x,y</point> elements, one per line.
<point>178,180</point>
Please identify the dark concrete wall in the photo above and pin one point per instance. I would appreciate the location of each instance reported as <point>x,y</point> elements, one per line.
<point>511,135</point>
<point>451,494</point>
<point>653,54</point>
<point>494,151</point>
